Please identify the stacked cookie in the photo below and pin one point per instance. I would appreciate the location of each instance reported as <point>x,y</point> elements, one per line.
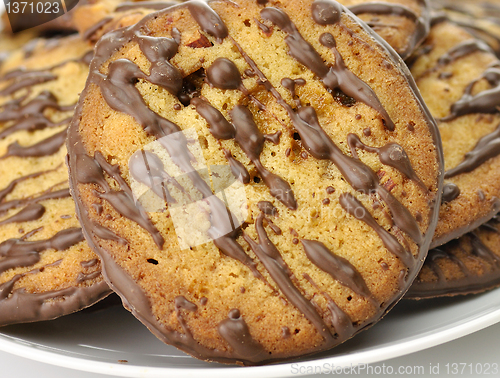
<point>47,269</point>
<point>261,180</point>
<point>456,73</point>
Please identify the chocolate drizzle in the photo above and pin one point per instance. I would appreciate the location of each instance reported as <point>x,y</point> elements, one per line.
<point>339,319</point>
<point>208,19</point>
<point>392,154</point>
<point>269,255</point>
<point>31,212</point>
<point>45,147</point>
<point>20,253</point>
<point>337,267</point>
<point>251,140</point>
<point>486,148</point>
<point>122,200</point>
<point>450,192</point>
<point>333,77</point>
<point>28,201</point>
<point>235,331</point>
<point>244,131</point>
<point>463,49</point>
<point>355,208</point>
<point>24,79</point>
<point>484,102</point>
<point>148,169</point>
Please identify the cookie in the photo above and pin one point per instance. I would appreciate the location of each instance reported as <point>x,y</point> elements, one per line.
<point>46,268</point>
<point>468,265</point>
<point>458,77</point>
<point>259,179</point>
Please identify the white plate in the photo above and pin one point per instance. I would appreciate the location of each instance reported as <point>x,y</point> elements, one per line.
<point>113,342</point>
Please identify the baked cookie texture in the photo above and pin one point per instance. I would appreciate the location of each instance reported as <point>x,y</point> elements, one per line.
<point>468,265</point>
<point>46,268</point>
<point>458,77</point>
<point>260,179</point>
<point>404,24</point>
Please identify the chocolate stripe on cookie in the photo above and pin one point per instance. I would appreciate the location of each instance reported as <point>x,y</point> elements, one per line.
<point>339,319</point>
<point>337,267</point>
<point>320,145</point>
<point>267,252</point>
<point>249,138</point>
<point>355,208</point>
<point>334,77</point>
<point>487,148</point>
<point>20,253</point>
<point>45,147</point>
<point>48,194</point>
<point>470,249</point>
<point>392,154</point>
<point>484,102</point>
<point>235,331</point>
<point>12,185</point>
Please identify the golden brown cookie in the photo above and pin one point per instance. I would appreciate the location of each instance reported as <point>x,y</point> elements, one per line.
<point>46,268</point>
<point>259,178</point>
<point>468,265</point>
<point>459,78</point>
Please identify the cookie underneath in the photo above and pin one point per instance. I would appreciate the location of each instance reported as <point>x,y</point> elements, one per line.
<point>46,268</point>
<point>468,265</point>
<point>458,78</point>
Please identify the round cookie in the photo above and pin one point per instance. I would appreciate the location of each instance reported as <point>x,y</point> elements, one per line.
<point>459,78</point>
<point>468,265</point>
<point>259,178</point>
<point>46,268</point>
